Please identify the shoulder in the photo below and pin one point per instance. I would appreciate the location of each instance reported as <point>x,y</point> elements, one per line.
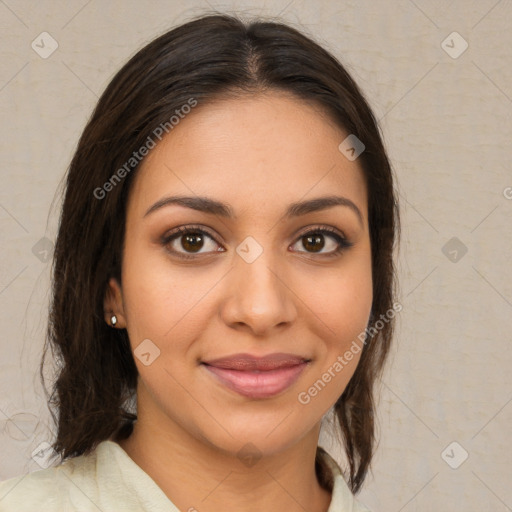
<point>342,497</point>
<point>69,486</point>
<point>105,479</point>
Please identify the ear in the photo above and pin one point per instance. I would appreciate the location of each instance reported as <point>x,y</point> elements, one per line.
<point>113,304</point>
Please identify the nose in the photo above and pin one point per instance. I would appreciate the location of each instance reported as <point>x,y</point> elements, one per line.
<point>259,299</point>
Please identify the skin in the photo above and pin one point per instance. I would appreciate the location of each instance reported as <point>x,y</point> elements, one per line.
<point>258,154</point>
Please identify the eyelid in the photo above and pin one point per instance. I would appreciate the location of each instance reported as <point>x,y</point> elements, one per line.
<point>174,233</point>
<point>341,240</point>
<point>319,228</point>
<point>180,230</point>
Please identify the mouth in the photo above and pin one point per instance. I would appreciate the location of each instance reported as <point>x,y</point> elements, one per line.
<point>257,377</point>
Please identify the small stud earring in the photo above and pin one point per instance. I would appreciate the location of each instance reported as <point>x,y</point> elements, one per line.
<point>113,320</point>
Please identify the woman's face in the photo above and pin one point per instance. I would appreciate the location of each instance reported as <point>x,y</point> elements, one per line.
<point>254,277</point>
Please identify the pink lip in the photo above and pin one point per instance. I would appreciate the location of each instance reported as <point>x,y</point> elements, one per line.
<point>257,377</point>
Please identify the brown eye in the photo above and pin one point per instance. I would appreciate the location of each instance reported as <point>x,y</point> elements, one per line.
<point>189,242</point>
<point>192,242</point>
<point>313,243</point>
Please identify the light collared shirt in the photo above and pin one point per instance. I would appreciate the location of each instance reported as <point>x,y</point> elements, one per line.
<point>108,480</point>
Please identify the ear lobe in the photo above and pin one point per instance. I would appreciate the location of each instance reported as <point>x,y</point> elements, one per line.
<point>113,303</point>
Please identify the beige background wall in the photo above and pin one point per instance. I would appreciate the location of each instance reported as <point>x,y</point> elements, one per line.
<point>448,126</point>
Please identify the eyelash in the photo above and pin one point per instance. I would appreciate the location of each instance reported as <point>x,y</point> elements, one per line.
<point>342,242</point>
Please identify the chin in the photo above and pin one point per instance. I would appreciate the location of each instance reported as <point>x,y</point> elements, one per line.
<point>252,434</point>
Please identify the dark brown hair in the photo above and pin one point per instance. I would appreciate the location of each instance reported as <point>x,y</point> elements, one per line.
<point>209,58</point>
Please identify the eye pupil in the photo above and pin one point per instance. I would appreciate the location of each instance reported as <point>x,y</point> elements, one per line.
<point>192,242</point>
<point>316,242</point>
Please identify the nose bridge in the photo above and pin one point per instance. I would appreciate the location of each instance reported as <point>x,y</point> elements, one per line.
<point>259,296</point>
<point>259,277</point>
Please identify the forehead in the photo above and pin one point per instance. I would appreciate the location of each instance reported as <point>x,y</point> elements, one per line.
<point>251,152</point>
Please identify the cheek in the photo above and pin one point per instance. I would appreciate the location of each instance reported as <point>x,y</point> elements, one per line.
<point>339,314</point>
<point>339,306</point>
<point>159,296</point>
<point>340,301</point>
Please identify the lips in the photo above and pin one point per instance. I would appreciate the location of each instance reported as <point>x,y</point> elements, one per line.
<point>247,362</point>
<point>257,377</point>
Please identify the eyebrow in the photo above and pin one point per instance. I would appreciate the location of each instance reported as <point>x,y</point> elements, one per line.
<point>207,205</point>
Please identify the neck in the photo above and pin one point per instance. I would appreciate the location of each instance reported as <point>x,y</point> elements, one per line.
<point>198,476</point>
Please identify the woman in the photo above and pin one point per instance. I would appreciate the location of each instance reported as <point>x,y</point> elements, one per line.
<point>224,259</point>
